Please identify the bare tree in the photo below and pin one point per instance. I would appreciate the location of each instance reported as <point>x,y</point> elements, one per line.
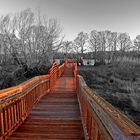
<point>8,32</point>
<point>137,44</point>
<point>124,42</point>
<point>81,41</point>
<point>94,43</point>
<point>24,21</point>
<point>114,39</point>
<point>103,41</point>
<point>76,47</point>
<point>28,38</point>
<point>67,47</point>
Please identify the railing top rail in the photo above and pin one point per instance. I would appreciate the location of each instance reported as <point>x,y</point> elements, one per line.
<point>18,91</point>
<point>24,84</point>
<point>13,91</point>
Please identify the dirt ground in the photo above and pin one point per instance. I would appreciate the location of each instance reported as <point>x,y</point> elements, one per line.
<point>113,86</point>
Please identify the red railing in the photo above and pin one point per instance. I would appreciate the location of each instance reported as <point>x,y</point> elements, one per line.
<point>75,73</point>
<point>17,102</point>
<point>101,120</point>
<point>55,72</point>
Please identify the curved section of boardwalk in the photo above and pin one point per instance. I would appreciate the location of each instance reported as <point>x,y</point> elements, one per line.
<point>56,116</point>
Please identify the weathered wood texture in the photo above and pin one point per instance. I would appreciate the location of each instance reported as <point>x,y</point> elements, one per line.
<point>56,116</point>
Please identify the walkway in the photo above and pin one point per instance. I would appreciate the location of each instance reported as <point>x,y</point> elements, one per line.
<point>56,116</point>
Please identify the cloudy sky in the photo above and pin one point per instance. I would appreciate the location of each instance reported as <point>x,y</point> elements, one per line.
<point>84,15</point>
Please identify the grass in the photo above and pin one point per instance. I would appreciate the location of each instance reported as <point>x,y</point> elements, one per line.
<point>135,96</point>
<point>12,75</point>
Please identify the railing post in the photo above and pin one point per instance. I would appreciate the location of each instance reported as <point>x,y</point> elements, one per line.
<point>1,124</point>
<point>66,61</point>
<point>55,72</point>
<point>75,76</point>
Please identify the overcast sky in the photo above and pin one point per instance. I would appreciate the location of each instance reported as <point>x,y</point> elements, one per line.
<point>84,15</point>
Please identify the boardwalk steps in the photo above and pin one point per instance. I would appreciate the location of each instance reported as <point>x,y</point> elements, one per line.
<point>56,116</point>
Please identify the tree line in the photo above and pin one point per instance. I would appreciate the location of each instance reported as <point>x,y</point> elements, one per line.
<point>105,45</point>
<point>29,39</point>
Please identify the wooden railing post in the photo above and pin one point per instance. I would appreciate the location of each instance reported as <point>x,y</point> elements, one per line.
<point>75,76</point>
<point>53,74</point>
<point>66,61</point>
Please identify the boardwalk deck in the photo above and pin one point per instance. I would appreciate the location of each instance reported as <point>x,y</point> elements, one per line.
<point>56,116</point>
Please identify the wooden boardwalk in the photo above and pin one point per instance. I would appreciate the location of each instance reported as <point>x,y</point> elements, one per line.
<point>56,116</point>
<point>47,108</point>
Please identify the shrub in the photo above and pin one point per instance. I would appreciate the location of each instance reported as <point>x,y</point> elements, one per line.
<point>125,71</point>
<point>8,81</point>
<point>37,70</point>
<point>87,75</point>
<point>135,96</point>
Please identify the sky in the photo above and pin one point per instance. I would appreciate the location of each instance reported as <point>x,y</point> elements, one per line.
<point>75,16</point>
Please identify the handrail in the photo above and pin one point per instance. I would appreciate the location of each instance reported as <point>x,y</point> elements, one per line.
<point>75,74</point>
<point>101,120</point>
<point>17,102</point>
<point>55,72</point>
